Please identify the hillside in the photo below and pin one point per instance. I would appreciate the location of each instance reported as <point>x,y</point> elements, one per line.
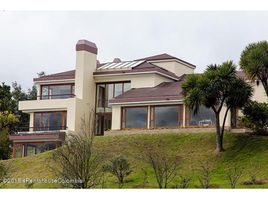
<point>249,152</point>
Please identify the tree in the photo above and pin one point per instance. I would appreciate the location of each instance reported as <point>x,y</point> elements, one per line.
<point>76,161</point>
<point>6,101</point>
<point>218,86</point>
<point>256,117</point>
<point>164,165</point>
<point>4,172</point>
<point>120,168</point>
<point>254,61</point>
<point>7,122</point>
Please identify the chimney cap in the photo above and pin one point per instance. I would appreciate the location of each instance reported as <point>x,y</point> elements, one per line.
<point>117,60</point>
<point>85,45</point>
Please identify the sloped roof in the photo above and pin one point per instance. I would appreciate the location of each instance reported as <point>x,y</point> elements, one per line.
<point>58,76</point>
<point>143,67</point>
<point>164,56</point>
<point>163,92</point>
<point>139,65</point>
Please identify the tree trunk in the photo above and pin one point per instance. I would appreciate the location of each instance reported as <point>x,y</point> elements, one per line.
<point>219,144</point>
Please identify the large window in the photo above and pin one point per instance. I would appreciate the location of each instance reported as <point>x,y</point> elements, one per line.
<point>57,91</point>
<point>204,117</point>
<point>107,91</point>
<point>166,116</point>
<point>47,121</point>
<point>134,117</point>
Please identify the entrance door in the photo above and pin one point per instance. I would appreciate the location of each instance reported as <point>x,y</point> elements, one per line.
<point>104,122</point>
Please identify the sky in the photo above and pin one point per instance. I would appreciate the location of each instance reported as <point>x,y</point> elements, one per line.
<point>35,41</point>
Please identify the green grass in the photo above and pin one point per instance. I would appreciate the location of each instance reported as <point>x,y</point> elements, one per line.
<point>246,151</point>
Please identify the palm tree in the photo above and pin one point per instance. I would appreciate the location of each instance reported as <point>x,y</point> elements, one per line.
<point>218,86</point>
<point>254,61</point>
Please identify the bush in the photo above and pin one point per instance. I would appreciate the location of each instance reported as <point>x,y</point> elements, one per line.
<point>233,175</point>
<point>5,150</point>
<point>120,168</point>
<point>4,170</point>
<point>256,117</point>
<point>205,175</point>
<point>184,182</point>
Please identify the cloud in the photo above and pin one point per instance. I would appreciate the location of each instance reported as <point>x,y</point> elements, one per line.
<point>45,41</point>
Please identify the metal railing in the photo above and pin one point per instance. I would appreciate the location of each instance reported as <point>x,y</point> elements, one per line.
<point>56,96</point>
<point>27,129</point>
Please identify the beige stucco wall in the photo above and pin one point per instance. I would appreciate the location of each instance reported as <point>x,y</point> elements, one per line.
<point>259,93</point>
<point>85,87</point>
<point>116,118</point>
<point>175,67</point>
<point>136,80</point>
<point>51,105</point>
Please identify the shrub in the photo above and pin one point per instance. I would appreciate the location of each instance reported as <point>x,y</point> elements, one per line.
<point>184,182</point>
<point>205,175</point>
<point>233,175</point>
<point>76,161</point>
<point>4,171</point>
<point>120,168</point>
<point>256,117</point>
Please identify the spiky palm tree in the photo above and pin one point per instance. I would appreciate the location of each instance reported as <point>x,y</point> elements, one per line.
<point>218,86</point>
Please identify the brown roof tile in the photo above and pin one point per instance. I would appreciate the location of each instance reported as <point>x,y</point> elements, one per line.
<point>164,56</point>
<point>163,92</point>
<point>58,76</point>
<point>143,67</point>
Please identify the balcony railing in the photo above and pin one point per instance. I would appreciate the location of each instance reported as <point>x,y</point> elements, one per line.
<point>56,96</point>
<point>28,129</point>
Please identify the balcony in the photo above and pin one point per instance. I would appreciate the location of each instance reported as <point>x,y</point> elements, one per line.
<point>48,104</point>
<point>55,96</point>
<point>39,134</point>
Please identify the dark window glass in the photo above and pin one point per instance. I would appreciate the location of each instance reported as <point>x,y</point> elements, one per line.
<point>57,91</point>
<point>118,89</point>
<point>50,121</point>
<point>166,116</point>
<point>100,97</point>
<point>204,117</point>
<point>135,117</point>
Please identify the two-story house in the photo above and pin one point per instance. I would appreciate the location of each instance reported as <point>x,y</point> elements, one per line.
<point>123,95</point>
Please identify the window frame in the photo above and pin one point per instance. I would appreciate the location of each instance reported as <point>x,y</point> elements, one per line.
<point>113,95</point>
<point>63,120</point>
<point>123,117</point>
<point>71,85</point>
<point>179,117</point>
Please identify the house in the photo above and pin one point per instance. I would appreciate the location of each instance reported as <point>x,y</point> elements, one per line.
<point>140,94</point>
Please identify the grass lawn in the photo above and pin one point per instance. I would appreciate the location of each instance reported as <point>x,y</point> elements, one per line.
<point>248,152</point>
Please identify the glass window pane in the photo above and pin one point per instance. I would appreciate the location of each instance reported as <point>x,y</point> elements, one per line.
<point>18,150</point>
<point>118,89</point>
<point>55,121</point>
<point>60,91</point>
<point>37,121</point>
<point>135,117</point>
<point>100,97</point>
<point>44,92</point>
<point>166,116</point>
<point>126,87</point>
<point>204,117</point>
<point>30,150</point>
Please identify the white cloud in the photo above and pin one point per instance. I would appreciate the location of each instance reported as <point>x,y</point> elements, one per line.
<point>45,41</point>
